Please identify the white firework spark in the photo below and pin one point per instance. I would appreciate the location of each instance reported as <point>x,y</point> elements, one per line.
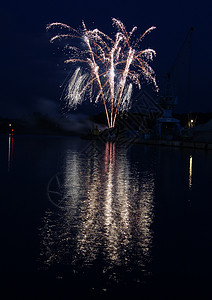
<point>114,66</point>
<point>75,91</point>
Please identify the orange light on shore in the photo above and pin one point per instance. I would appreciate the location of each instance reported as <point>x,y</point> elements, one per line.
<point>191,123</point>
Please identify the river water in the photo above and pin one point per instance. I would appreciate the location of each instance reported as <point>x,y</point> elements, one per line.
<point>97,219</point>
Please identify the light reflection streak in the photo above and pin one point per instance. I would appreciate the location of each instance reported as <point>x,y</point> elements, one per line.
<point>111,233</point>
<point>10,150</point>
<point>88,240</point>
<point>107,212</point>
<point>190,172</point>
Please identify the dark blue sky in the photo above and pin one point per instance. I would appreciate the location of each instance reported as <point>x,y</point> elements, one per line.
<point>31,74</point>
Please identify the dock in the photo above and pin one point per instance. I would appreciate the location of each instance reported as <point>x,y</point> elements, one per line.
<point>180,144</point>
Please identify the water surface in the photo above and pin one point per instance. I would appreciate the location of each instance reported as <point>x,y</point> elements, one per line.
<point>86,217</point>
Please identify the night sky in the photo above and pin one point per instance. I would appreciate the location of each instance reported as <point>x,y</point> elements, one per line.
<point>32,69</point>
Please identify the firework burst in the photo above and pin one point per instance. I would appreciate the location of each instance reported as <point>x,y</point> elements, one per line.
<point>113,66</point>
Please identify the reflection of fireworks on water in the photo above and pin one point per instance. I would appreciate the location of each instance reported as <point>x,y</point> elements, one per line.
<point>114,65</point>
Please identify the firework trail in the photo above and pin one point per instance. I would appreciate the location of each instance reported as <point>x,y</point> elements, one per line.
<point>113,66</point>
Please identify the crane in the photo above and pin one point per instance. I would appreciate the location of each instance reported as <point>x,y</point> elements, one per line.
<point>183,58</point>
